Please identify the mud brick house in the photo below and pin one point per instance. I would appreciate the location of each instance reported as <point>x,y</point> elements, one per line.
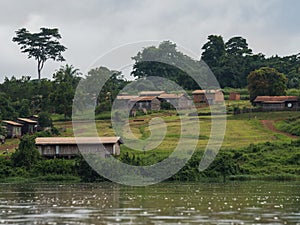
<point>179,101</point>
<point>145,103</point>
<point>67,147</point>
<point>234,96</point>
<point>273,103</point>
<point>208,97</point>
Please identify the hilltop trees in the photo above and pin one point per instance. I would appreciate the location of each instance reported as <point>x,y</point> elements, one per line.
<point>66,80</point>
<point>233,60</point>
<point>164,61</point>
<point>229,61</point>
<point>266,81</point>
<point>40,46</point>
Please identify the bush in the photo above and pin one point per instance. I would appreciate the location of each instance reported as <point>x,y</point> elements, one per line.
<point>45,120</point>
<point>27,154</point>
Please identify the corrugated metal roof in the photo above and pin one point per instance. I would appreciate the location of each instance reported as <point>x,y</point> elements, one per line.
<point>141,99</point>
<point>157,93</point>
<point>205,91</point>
<point>275,98</point>
<point>78,140</point>
<point>12,123</point>
<point>126,97</point>
<point>274,102</point>
<point>26,120</point>
<point>168,96</point>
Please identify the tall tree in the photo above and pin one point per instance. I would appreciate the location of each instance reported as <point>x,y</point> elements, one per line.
<point>213,55</point>
<point>213,50</point>
<point>234,63</point>
<point>66,80</point>
<point>93,83</point>
<point>41,46</point>
<point>167,62</point>
<point>266,82</point>
<point>237,46</point>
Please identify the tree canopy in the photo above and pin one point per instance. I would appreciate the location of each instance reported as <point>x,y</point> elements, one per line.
<point>232,61</point>
<point>41,46</point>
<point>167,62</point>
<point>66,80</point>
<point>266,82</point>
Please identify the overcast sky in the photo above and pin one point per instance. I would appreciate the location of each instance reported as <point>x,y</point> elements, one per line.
<point>91,28</point>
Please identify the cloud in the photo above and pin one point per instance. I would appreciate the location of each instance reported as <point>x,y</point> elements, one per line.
<point>91,28</point>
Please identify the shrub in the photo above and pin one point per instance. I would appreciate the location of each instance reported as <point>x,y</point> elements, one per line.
<point>27,154</point>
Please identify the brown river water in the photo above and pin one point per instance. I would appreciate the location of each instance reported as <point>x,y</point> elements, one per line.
<point>165,203</point>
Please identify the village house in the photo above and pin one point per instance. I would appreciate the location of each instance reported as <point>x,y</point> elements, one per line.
<point>145,103</point>
<point>179,101</point>
<point>29,126</point>
<point>270,103</point>
<point>208,97</point>
<point>234,96</point>
<point>53,147</point>
<point>13,129</point>
<point>122,101</point>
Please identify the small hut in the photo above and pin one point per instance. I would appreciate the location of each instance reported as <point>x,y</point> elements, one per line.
<point>13,129</point>
<point>122,101</point>
<point>179,101</point>
<point>273,103</point>
<point>29,126</point>
<point>234,96</point>
<point>68,146</point>
<point>145,103</point>
<point>208,97</point>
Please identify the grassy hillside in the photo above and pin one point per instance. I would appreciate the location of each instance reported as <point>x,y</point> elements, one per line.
<point>241,130</point>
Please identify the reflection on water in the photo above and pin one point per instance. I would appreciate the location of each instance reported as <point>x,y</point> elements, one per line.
<point>167,203</point>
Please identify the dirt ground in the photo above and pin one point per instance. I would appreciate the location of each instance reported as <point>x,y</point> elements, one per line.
<point>269,124</point>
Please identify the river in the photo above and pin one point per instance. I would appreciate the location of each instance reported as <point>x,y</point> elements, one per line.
<point>165,203</point>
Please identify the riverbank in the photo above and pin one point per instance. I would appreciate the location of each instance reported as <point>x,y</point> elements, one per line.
<point>267,161</point>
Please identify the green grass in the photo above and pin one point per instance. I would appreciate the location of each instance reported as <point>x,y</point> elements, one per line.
<point>9,144</point>
<point>241,130</point>
<point>266,115</point>
<point>290,125</point>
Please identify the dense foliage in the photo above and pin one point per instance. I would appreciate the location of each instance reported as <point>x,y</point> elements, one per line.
<point>266,82</point>
<point>232,61</point>
<point>290,125</point>
<point>25,97</point>
<point>266,161</point>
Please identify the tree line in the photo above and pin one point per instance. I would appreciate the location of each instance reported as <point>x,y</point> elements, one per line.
<point>232,62</point>
<point>24,97</point>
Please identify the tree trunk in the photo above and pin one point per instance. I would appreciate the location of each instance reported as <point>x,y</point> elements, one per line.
<point>40,67</point>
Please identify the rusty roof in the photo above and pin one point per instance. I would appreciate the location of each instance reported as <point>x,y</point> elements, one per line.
<point>77,140</point>
<point>126,97</point>
<point>26,120</point>
<point>141,99</point>
<point>270,99</point>
<point>12,123</point>
<point>166,96</point>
